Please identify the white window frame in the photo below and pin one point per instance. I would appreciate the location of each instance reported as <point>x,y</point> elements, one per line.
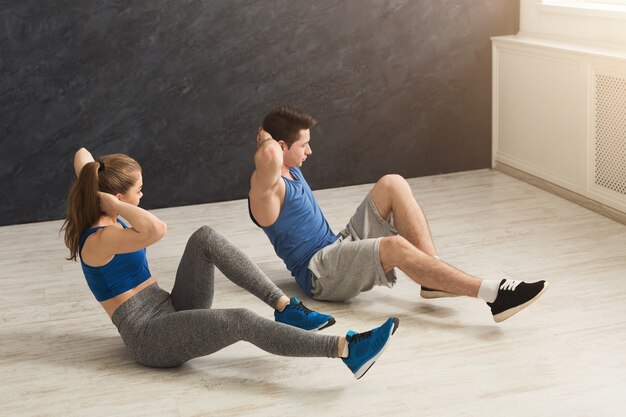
<point>586,2</point>
<point>619,2</point>
<point>612,9</point>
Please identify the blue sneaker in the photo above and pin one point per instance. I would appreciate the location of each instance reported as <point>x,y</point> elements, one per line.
<point>297,315</point>
<point>365,348</point>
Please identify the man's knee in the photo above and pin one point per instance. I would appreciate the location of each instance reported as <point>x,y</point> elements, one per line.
<point>385,192</point>
<point>394,244</point>
<point>391,181</point>
<point>393,249</point>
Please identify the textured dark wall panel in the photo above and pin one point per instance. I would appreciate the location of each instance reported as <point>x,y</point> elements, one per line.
<point>399,86</point>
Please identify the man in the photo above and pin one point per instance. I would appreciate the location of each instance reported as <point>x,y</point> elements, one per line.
<point>387,231</point>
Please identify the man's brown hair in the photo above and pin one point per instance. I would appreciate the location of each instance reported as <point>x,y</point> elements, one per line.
<point>285,123</point>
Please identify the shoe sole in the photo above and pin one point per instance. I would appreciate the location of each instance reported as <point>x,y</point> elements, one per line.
<point>315,329</point>
<point>367,365</point>
<point>500,317</point>
<point>429,295</point>
<point>325,325</point>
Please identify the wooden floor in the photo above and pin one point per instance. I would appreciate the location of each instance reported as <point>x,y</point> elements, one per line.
<point>563,356</point>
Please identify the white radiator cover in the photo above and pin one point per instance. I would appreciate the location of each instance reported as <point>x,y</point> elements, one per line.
<point>559,113</point>
<point>609,148</point>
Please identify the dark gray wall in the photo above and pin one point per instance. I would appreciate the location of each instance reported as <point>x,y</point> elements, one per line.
<point>398,86</point>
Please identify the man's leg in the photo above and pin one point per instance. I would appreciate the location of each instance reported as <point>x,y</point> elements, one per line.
<point>398,252</point>
<point>505,297</point>
<point>393,195</point>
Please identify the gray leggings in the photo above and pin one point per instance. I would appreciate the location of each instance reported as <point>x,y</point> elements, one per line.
<point>164,330</point>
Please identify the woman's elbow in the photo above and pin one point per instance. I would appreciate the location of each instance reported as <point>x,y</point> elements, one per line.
<point>161,229</point>
<point>155,232</point>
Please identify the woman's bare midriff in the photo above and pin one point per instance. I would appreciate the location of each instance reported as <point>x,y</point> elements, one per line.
<point>112,304</point>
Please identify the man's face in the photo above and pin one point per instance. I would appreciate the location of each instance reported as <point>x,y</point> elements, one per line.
<point>299,150</point>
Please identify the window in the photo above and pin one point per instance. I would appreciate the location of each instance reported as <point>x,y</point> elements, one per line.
<point>606,1</point>
<point>600,4</point>
<point>598,8</point>
<point>588,21</point>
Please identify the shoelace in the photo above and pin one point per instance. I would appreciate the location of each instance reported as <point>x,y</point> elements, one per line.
<point>302,307</point>
<point>359,336</point>
<point>510,284</point>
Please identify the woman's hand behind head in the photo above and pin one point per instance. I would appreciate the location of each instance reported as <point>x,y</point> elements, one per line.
<point>109,204</point>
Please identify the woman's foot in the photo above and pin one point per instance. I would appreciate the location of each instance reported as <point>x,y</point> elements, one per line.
<point>365,348</point>
<point>297,315</point>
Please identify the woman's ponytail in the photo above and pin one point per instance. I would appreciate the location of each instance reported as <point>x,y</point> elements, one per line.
<point>82,207</point>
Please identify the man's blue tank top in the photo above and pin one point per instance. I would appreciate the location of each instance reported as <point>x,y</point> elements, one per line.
<point>300,230</point>
<point>120,274</point>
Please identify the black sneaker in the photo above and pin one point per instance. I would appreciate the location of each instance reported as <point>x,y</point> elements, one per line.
<point>514,296</point>
<point>430,293</point>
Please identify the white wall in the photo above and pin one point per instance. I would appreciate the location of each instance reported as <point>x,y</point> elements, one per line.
<point>544,96</point>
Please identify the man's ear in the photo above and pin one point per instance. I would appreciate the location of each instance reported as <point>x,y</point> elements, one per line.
<point>119,196</point>
<point>283,145</point>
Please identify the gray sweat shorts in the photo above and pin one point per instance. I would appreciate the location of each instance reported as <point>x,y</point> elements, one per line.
<point>351,265</point>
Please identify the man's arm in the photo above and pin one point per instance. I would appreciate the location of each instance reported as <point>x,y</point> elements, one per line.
<point>266,188</point>
<point>268,160</point>
<point>82,157</point>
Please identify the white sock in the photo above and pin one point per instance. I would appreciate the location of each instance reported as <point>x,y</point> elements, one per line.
<point>346,350</point>
<point>488,290</point>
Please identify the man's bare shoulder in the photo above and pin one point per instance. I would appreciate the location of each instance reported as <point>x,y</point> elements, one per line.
<point>258,191</point>
<point>266,204</point>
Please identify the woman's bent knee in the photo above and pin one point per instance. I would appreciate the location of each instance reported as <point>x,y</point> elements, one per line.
<point>244,313</point>
<point>203,236</point>
<point>203,232</point>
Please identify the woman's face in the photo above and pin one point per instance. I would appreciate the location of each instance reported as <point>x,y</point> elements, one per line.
<point>134,194</point>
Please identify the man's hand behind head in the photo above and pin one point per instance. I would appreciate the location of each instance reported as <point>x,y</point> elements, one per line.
<point>262,136</point>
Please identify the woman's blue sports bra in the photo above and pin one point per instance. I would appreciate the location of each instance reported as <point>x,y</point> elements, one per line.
<point>120,274</point>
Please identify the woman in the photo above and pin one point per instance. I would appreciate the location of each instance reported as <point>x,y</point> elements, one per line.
<point>162,329</point>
